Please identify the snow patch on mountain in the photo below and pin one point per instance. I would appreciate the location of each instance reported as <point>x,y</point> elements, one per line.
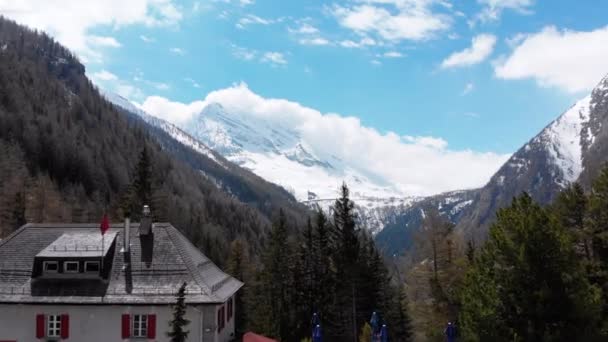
<point>372,212</point>
<point>174,131</point>
<point>566,142</point>
<point>278,153</point>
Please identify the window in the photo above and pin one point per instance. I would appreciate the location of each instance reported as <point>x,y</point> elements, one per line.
<point>91,266</point>
<point>53,326</point>
<point>50,266</point>
<point>70,267</point>
<point>140,325</point>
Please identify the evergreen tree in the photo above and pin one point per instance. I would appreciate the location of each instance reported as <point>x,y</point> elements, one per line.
<point>402,327</point>
<point>143,178</point>
<point>272,302</point>
<point>528,284</point>
<point>18,214</point>
<point>597,224</point>
<point>570,208</point>
<point>347,261</point>
<point>238,267</point>
<point>177,333</point>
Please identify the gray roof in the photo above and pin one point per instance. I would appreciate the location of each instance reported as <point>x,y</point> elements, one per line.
<point>159,265</point>
<point>79,244</point>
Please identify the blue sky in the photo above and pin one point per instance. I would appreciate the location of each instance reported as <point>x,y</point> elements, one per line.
<point>481,75</point>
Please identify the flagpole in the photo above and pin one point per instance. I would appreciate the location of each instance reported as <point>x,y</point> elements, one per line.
<point>101,256</point>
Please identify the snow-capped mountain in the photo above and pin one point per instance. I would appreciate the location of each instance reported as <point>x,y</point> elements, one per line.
<point>174,131</point>
<point>399,229</point>
<point>373,213</point>
<point>571,148</point>
<point>240,183</point>
<point>279,154</point>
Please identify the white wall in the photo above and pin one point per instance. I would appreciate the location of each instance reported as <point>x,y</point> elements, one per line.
<point>102,323</point>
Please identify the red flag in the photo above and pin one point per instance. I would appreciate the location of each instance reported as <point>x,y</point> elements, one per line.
<point>105,224</point>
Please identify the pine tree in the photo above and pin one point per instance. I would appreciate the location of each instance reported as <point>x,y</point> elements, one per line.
<point>347,259</point>
<point>570,207</point>
<point>238,266</point>
<point>597,225</point>
<point>18,213</point>
<point>403,326</point>
<point>177,325</point>
<point>527,283</point>
<point>272,297</point>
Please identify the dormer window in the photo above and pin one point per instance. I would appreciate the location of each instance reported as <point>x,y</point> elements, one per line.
<point>51,267</point>
<point>91,266</point>
<point>70,267</point>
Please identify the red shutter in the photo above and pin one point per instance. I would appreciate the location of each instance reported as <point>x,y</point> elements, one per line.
<point>126,326</point>
<point>65,326</point>
<point>151,326</point>
<point>39,326</point>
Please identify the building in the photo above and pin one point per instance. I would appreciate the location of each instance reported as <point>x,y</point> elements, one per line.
<point>62,282</point>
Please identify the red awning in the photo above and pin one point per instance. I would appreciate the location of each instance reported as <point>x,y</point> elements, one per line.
<point>251,337</point>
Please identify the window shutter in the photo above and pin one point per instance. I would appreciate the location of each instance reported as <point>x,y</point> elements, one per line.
<point>151,326</point>
<point>65,326</point>
<point>39,326</point>
<point>126,326</point>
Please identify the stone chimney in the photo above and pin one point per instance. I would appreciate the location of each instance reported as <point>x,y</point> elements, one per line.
<point>145,226</point>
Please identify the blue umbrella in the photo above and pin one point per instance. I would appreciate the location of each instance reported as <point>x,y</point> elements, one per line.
<point>384,333</point>
<point>314,322</point>
<point>315,319</point>
<point>374,322</point>
<point>316,334</point>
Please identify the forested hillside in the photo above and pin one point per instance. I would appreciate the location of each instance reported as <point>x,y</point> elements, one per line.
<point>67,154</point>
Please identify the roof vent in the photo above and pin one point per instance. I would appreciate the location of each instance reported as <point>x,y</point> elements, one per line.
<point>145,226</point>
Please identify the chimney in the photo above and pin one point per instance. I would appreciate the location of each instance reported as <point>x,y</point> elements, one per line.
<point>127,247</point>
<point>145,226</point>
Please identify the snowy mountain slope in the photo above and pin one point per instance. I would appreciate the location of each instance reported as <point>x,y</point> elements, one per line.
<point>279,154</point>
<point>175,132</point>
<point>232,179</point>
<point>571,148</point>
<point>373,213</point>
<point>398,233</point>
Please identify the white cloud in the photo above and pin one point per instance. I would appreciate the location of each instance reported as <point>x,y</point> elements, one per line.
<point>393,20</point>
<point>314,41</point>
<point>275,58</point>
<point>304,28</point>
<point>103,41</point>
<point>376,62</point>
<point>71,21</point>
<point>468,88</point>
<point>363,42</point>
<point>109,81</point>
<point>251,19</point>
<point>570,60</point>
<point>392,54</point>
<point>270,57</point>
<point>481,47</point>
<point>492,9</point>
<point>104,75</point>
<point>177,51</point>
<point>417,164</point>
<point>243,53</point>
<point>193,82</point>
<point>147,39</point>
